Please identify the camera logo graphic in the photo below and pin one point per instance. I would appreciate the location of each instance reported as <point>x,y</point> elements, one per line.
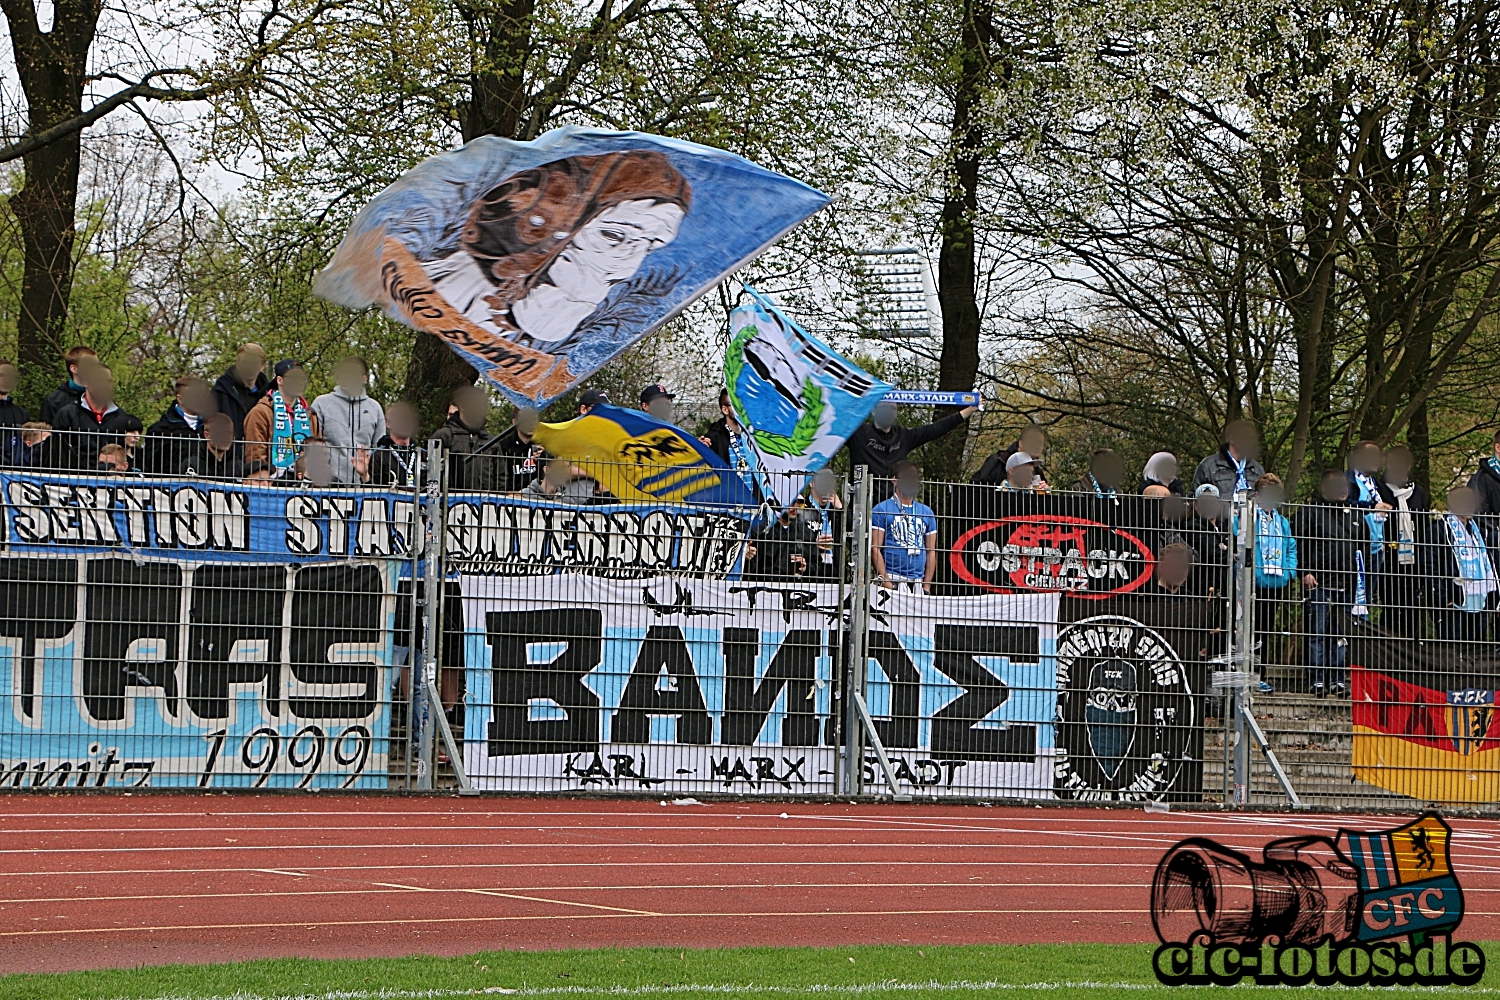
<point>1361,908</point>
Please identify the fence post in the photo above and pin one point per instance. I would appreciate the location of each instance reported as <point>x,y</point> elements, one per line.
<point>859,633</point>
<point>1244,638</point>
<point>417,546</point>
<point>432,617</point>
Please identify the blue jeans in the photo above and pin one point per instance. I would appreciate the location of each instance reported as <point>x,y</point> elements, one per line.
<point>1323,615</point>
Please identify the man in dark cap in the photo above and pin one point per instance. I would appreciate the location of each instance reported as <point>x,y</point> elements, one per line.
<point>282,422</point>
<point>590,399</point>
<point>657,401</point>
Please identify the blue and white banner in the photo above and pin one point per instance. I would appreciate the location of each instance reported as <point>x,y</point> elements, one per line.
<point>925,397</point>
<point>796,397</point>
<point>207,521</point>
<point>135,672</point>
<point>220,522</point>
<point>690,686</point>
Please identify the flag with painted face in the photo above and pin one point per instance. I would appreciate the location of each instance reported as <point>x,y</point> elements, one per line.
<point>538,262</point>
<point>796,399</point>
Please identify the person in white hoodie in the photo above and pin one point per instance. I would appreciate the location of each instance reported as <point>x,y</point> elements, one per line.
<point>351,422</point>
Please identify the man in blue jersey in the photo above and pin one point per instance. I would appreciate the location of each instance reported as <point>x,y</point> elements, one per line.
<point>903,535</point>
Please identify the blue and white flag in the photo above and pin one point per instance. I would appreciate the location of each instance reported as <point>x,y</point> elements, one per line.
<point>797,398</point>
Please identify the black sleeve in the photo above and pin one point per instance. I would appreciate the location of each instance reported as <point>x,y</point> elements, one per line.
<point>992,472</point>
<point>915,437</point>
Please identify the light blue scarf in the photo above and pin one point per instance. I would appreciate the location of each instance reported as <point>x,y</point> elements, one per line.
<point>290,430</point>
<point>1476,575</point>
<point>1370,493</point>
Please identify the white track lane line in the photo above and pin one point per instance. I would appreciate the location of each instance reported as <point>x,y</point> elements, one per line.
<point>402,921</point>
<point>666,887</point>
<point>968,865</point>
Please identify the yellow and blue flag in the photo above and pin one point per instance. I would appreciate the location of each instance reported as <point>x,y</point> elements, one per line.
<point>638,458</point>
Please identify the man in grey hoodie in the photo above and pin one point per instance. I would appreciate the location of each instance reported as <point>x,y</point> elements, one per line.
<point>352,423</point>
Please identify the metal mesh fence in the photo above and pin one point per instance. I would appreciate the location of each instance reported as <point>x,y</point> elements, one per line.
<point>186,631</point>
<point>642,627</point>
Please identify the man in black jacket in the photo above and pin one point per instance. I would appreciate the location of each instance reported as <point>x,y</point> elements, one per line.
<point>66,394</point>
<point>1331,544</point>
<point>1459,559</point>
<point>395,454</point>
<point>1402,582</point>
<point>1031,441</point>
<point>780,549</point>
<point>239,389</point>
<point>514,455</point>
<point>89,424</point>
<point>12,415</point>
<point>219,455</point>
<point>1486,482</point>
<point>727,439</point>
<point>880,443</point>
<point>178,435</point>
<point>471,463</point>
<point>824,514</point>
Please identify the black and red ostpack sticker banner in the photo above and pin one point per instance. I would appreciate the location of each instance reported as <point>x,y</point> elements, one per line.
<point>1134,646</point>
<point>1081,546</point>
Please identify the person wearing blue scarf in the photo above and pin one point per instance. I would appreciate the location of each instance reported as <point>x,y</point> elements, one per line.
<point>1331,542</point>
<point>1275,563</point>
<point>1106,473</point>
<point>1366,494</point>
<point>1461,556</point>
<point>282,422</point>
<point>1234,468</point>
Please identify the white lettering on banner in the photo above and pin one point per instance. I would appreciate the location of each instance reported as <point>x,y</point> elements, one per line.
<point>692,685</point>
<point>85,515</point>
<point>518,540</point>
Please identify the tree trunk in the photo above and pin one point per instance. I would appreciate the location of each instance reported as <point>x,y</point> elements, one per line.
<point>958,364</point>
<point>432,373</point>
<point>51,66</point>
<point>1418,440</point>
<point>500,36</point>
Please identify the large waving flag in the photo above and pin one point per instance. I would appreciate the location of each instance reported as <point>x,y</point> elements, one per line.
<point>538,262</point>
<point>798,398</point>
<point>637,457</point>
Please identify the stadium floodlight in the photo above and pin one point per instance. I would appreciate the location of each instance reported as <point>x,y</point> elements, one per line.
<point>898,299</point>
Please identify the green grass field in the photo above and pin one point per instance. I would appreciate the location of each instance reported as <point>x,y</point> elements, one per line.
<point>905,971</point>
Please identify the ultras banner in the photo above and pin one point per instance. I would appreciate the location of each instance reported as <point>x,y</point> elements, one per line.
<point>121,672</point>
<point>689,686</point>
<point>226,522</point>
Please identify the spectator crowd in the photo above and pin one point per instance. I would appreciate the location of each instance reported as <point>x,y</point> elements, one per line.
<point>1370,546</point>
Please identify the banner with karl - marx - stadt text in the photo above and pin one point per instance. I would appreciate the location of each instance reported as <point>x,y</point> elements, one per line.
<point>696,686</point>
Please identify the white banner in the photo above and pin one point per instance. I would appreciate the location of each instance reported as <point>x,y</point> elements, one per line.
<point>684,686</point>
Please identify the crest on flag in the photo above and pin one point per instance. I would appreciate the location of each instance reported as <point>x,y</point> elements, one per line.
<point>1470,713</point>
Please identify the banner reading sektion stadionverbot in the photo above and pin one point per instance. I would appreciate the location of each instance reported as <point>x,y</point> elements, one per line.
<point>695,686</point>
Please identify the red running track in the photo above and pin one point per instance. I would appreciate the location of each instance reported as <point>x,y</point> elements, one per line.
<point>92,882</point>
